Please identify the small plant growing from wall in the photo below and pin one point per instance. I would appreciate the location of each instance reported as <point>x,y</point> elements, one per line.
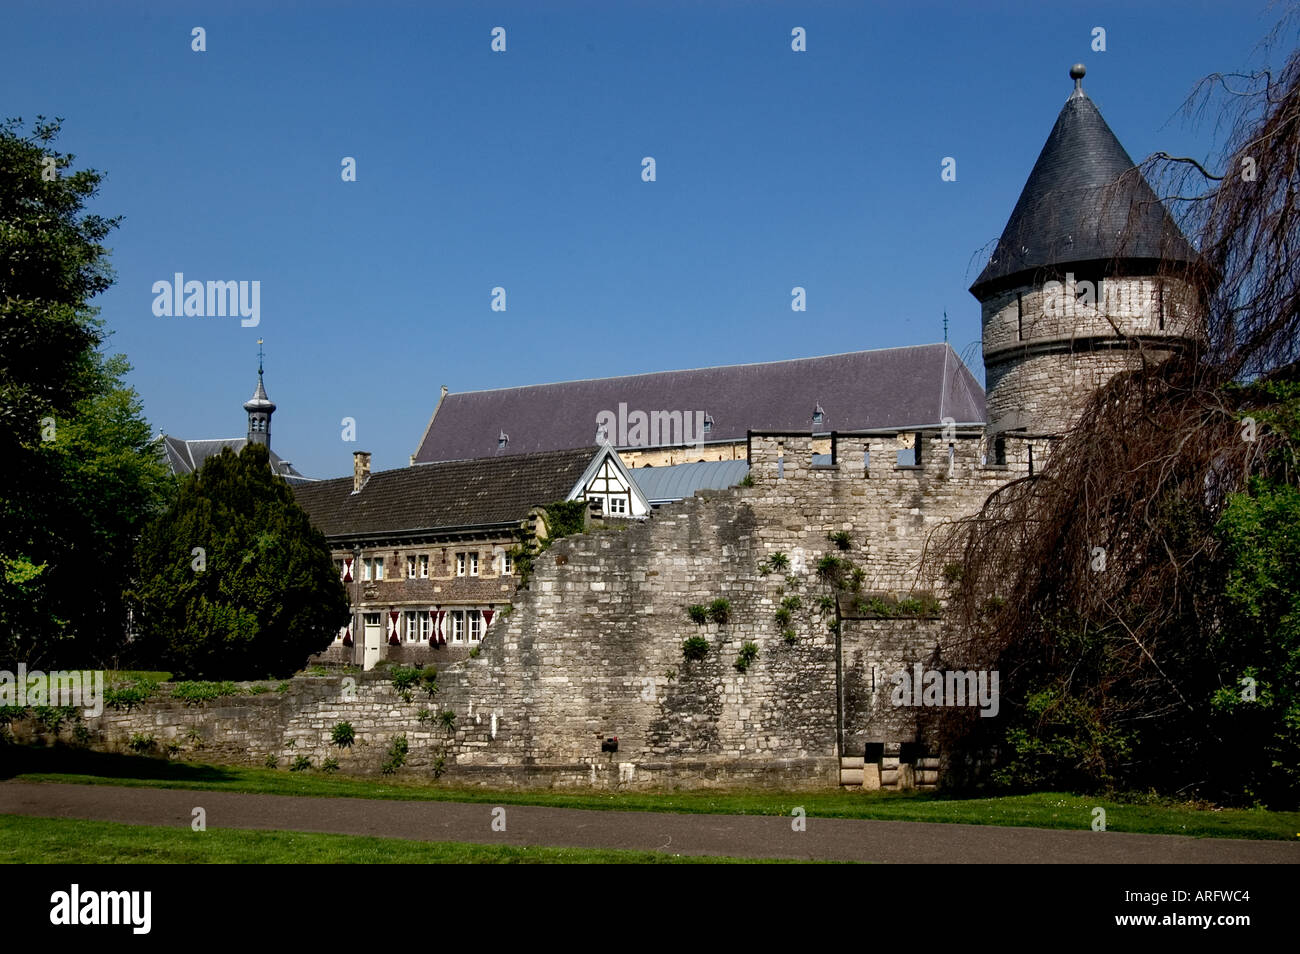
<point>300,764</point>
<point>698,614</point>
<point>343,735</point>
<point>331,764</point>
<point>830,569</point>
<point>925,606</point>
<point>448,720</point>
<point>783,617</point>
<point>141,743</point>
<point>695,648</point>
<point>397,750</point>
<point>790,636</point>
<point>429,680</point>
<point>720,611</point>
<point>841,539</point>
<point>271,761</point>
<point>748,653</point>
<point>404,679</point>
<point>50,718</point>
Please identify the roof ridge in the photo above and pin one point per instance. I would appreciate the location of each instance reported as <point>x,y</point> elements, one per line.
<point>715,367</point>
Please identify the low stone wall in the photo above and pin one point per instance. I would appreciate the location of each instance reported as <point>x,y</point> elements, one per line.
<point>297,723</point>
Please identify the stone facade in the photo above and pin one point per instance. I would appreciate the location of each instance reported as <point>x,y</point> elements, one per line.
<point>1048,346</point>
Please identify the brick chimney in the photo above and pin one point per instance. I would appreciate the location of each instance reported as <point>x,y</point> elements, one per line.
<point>360,470</point>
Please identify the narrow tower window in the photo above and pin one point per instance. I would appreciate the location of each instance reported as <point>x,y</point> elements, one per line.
<point>1020,317</point>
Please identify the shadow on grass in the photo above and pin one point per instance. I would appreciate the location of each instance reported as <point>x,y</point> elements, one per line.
<point>62,759</point>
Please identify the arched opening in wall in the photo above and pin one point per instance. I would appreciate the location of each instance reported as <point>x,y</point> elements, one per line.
<point>916,452</point>
<point>1000,451</point>
<point>1031,459</point>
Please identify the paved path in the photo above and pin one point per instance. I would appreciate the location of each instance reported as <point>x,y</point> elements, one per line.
<point>833,839</point>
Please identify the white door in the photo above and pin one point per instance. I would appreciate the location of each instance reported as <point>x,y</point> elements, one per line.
<point>373,635</point>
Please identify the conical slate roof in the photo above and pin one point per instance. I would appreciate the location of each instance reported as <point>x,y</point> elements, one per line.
<point>1074,208</point>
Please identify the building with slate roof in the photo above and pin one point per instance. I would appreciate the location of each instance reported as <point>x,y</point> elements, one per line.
<point>426,550</point>
<point>673,417</point>
<point>187,456</point>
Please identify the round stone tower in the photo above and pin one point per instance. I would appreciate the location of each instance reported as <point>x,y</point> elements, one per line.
<point>1088,278</point>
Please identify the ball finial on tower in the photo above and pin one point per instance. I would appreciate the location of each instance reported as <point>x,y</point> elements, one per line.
<point>1077,72</point>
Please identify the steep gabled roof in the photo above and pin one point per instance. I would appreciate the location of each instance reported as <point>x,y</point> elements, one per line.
<point>860,390</point>
<point>446,496</point>
<point>1083,202</point>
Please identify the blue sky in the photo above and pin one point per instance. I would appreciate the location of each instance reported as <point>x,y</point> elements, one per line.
<point>522,170</point>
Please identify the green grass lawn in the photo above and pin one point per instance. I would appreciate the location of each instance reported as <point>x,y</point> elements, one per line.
<point>1039,810</point>
<point>25,840</point>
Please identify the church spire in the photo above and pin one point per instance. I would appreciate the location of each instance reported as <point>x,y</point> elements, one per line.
<point>259,408</point>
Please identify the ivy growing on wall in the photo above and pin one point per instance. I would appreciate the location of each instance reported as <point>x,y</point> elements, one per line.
<point>563,518</point>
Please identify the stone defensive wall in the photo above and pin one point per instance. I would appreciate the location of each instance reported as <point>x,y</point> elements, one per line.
<point>592,648</point>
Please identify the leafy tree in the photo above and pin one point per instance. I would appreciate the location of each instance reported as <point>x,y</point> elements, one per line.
<point>1257,710</point>
<point>78,475</point>
<point>235,582</point>
<point>106,479</point>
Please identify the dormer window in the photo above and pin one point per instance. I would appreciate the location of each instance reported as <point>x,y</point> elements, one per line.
<point>502,440</point>
<point>818,414</point>
<point>708,423</point>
